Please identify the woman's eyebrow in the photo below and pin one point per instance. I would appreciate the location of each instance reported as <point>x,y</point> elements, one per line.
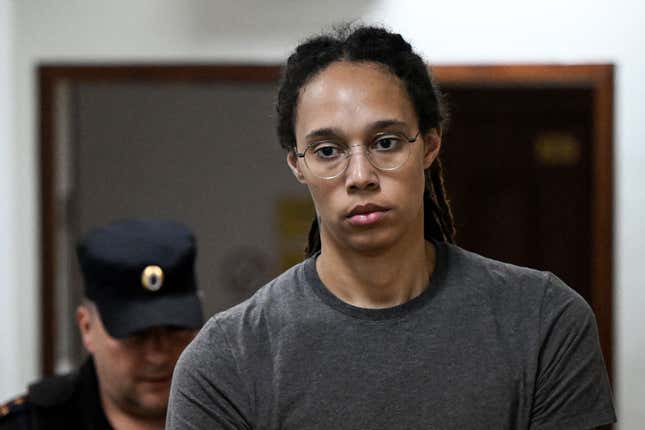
<point>323,132</point>
<point>336,132</point>
<point>385,123</point>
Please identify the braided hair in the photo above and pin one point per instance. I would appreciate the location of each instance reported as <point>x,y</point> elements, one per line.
<point>376,45</point>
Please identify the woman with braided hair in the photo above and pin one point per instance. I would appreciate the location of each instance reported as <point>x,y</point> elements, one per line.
<point>387,324</point>
<point>375,46</point>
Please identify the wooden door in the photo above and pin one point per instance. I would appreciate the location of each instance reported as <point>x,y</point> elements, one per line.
<point>528,160</point>
<point>518,167</point>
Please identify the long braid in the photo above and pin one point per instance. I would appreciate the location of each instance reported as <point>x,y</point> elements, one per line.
<point>444,212</point>
<point>313,240</point>
<point>432,227</point>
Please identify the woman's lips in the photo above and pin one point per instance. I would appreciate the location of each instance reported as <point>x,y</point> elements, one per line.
<point>366,218</point>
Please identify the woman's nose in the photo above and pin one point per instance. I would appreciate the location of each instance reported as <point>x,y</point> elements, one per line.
<point>360,174</point>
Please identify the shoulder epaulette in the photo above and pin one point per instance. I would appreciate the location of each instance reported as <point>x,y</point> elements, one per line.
<point>13,406</point>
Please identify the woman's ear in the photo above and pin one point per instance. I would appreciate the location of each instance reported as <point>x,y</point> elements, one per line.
<point>292,161</point>
<point>431,145</point>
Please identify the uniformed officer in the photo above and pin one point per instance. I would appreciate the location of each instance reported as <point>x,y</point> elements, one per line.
<point>141,308</point>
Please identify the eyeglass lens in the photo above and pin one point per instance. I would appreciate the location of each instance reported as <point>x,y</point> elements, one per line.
<point>328,159</point>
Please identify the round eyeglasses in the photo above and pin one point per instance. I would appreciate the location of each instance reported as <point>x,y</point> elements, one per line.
<point>328,159</point>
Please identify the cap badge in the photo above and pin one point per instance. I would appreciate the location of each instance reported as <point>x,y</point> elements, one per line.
<point>152,278</point>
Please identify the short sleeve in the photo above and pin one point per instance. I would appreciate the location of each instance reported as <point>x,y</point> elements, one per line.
<point>572,388</point>
<point>207,390</point>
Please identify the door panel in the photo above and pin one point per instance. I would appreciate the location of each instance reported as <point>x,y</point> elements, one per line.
<point>518,173</point>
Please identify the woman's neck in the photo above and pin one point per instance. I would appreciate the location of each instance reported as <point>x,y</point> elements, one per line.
<point>377,280</point>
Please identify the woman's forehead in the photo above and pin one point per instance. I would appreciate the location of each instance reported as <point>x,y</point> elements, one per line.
<point>350,92</point>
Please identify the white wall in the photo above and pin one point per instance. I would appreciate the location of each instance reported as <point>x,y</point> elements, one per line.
<point>9,293</point>
<point>255,31</point>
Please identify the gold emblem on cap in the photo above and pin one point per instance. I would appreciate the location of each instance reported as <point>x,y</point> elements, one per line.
<point>152,278</point>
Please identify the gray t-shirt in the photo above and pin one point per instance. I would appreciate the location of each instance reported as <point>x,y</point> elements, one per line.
<point>487,345</point>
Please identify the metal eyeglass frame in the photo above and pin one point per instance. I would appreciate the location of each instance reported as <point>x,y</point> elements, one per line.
<point>350,153</point>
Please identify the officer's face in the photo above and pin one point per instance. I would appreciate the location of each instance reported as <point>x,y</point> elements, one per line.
<point>134,373</point>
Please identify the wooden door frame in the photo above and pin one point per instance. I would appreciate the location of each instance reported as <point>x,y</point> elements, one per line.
<point>599,78</point>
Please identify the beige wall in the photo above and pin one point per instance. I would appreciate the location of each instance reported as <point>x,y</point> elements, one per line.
<point>11,324</point>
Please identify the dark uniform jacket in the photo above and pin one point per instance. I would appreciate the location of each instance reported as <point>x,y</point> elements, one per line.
<point>61,402</point>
